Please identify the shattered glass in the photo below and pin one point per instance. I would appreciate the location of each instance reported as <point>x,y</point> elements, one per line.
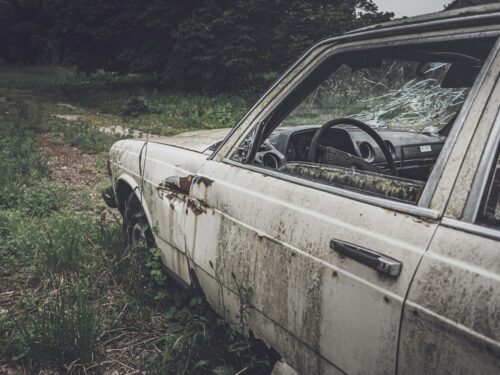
<point>397,95</point>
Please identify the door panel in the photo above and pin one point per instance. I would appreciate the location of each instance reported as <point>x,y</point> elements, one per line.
<point>274,236</point>
<point>451,321</point>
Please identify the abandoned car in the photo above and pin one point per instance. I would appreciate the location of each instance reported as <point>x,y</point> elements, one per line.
<point>359,199</point>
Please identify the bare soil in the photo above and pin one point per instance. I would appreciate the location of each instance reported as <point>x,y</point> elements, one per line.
<point>83,174</point>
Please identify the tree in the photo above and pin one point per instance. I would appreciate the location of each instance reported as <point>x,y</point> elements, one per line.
<point>455,4</point>
<point>232,44</point>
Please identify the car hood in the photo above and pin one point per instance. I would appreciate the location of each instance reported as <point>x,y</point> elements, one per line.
<point>198,140</point>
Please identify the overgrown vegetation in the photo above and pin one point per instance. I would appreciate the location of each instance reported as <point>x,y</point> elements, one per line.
<point>83,102</point>
<point>73,297</point>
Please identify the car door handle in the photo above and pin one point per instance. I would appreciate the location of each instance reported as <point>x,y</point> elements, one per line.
<point>380,262</point>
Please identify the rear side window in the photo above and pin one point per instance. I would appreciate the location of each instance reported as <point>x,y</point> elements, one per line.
<point>489,213</point>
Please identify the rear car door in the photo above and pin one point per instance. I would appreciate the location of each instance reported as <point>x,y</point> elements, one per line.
<point>451,319</point>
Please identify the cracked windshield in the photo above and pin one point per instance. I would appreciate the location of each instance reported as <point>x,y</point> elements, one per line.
<point>397,94</point>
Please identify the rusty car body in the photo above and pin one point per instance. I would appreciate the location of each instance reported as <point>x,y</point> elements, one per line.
<point>371,237</point>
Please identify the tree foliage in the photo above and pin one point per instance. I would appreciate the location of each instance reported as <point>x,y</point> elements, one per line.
<point>455,4</point>
<point>190,44</point>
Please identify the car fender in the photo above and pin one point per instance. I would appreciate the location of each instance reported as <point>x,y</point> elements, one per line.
<point>132,183</point>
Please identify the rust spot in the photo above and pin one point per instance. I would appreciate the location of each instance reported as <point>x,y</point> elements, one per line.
<point>203,180</point>
<point>198,207</point>
<point>176,184</point>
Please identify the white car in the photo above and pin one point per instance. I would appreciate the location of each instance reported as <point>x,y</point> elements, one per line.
<point>359,199</point>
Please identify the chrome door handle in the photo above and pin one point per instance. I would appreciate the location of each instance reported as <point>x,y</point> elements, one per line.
<point>380,262</point>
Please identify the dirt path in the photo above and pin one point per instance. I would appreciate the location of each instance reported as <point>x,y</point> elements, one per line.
<point>83,174</point>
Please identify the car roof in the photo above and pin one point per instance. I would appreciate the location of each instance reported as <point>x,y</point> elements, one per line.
<point>488,14</point>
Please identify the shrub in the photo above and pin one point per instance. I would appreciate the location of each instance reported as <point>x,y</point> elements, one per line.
<point>135,106</point>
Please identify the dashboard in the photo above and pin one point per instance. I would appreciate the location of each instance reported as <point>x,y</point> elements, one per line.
<point>414,153</point>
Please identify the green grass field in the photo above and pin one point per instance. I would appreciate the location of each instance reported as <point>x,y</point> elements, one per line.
<point>73,298</point>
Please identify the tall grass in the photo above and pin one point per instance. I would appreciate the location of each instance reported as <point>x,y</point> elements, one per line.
<point>62,330</point>
<point>63,246</point>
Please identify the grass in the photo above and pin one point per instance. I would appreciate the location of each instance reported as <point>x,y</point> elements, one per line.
<point>73,298</point>
<point>132,101</point>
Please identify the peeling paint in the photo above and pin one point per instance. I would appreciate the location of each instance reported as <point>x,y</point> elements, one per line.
<point>177,184</point>
<point>203,180</point>
<point>197,206</point>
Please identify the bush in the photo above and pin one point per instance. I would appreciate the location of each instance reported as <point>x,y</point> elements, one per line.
<point>135,106</point>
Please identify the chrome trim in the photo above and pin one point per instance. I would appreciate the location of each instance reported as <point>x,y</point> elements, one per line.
<point>426,19</point>
<point>437,170</point>
<point>479,230</point>
<point>451,23</point>
<point>483,173</point>
<point>377,201</point>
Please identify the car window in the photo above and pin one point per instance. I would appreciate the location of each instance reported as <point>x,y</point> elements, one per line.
<point>398,94</point>
<point>489,213</point>
<point>372,122</point>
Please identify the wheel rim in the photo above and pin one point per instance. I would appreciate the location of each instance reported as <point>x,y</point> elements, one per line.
<point>136,235</point>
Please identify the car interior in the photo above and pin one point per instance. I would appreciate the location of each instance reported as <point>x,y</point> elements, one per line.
<point>372,121</point>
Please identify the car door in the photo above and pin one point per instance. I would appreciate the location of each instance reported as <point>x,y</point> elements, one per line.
<point>325,311</point>
<point>451,319</point>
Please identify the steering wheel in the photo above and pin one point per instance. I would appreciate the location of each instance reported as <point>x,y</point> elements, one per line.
<point>313,155</point>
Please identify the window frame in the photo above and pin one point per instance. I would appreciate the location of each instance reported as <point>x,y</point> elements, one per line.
<point>421,209</point>
<point>479,186</point>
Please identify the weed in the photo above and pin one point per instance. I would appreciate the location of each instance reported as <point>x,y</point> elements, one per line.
<point>200,343</point>
<point>86,137</point>
<point>11,345</point>
<point>109,236</point>
<point>42,199</point>
<point>156,273</point>
<point>245,295</point>
<point>64,245</point>
<point>38,200</point>
<point>19,235</point>
<point>62,330</point>
<point>100,164</point>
